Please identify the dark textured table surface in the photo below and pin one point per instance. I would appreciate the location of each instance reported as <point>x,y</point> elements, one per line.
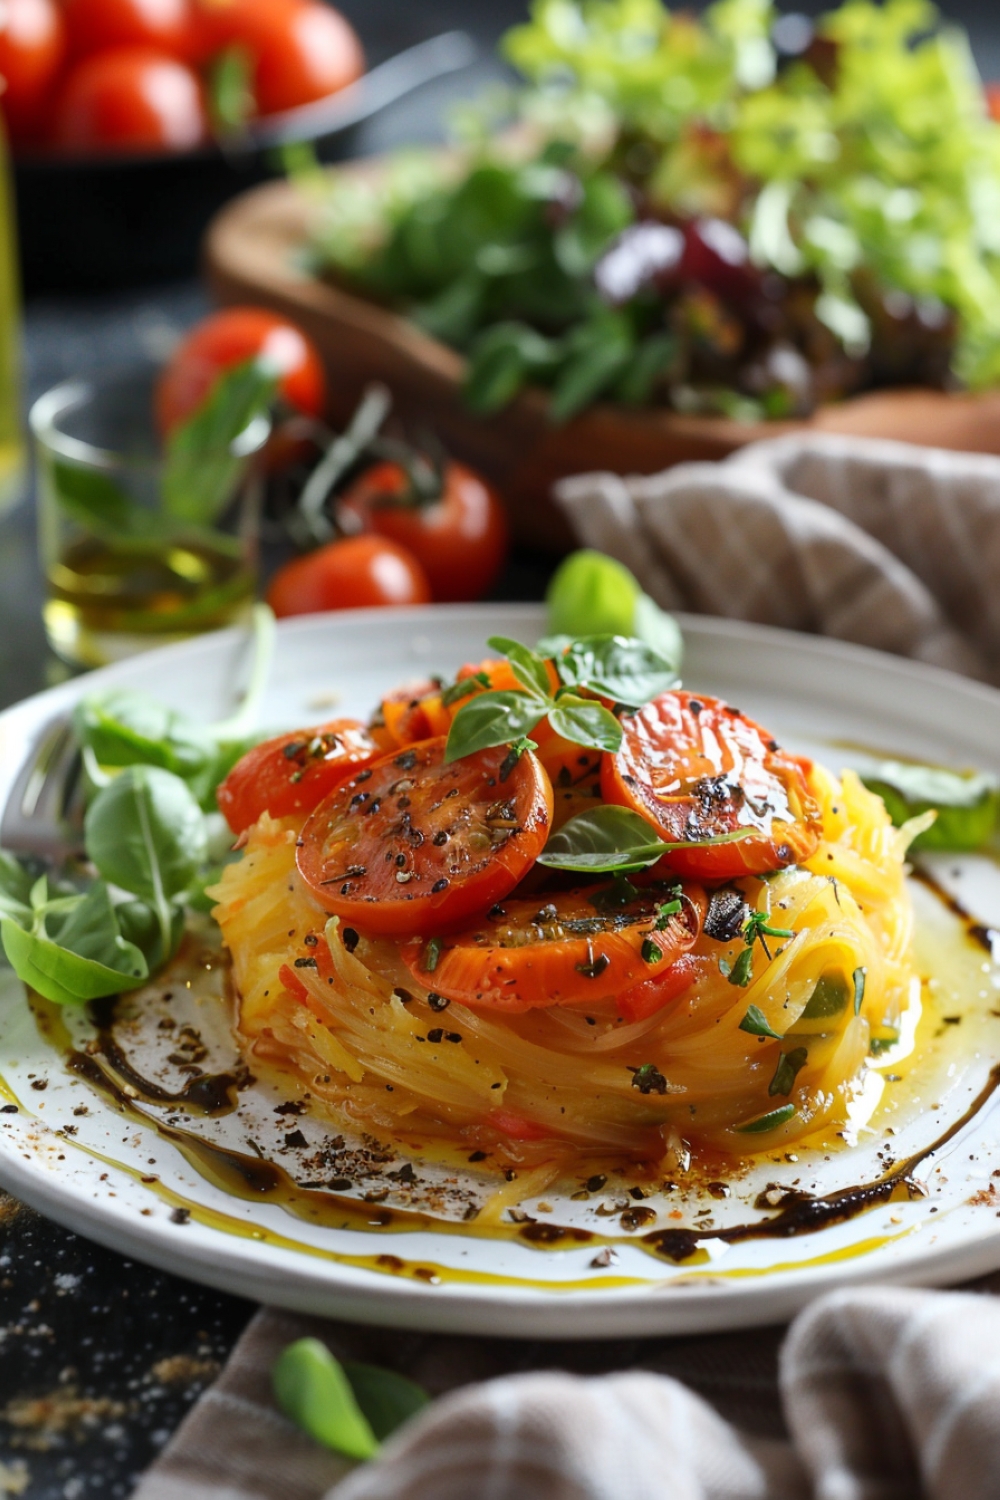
<point>100,1357</point>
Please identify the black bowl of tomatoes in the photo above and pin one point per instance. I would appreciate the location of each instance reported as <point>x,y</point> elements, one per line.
<point>132,121</point>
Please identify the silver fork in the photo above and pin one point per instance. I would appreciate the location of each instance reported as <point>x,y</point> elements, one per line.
<point>44,812</point>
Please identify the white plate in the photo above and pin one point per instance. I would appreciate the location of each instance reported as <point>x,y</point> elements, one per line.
<point>812,694</point>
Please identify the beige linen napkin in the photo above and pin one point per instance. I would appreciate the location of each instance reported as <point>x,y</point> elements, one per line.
<point>887,1393</point>
<point>880,543</point>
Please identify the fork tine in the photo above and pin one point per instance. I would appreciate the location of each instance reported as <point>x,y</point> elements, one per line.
<point>43,815</point>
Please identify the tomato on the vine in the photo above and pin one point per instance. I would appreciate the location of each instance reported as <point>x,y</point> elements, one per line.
<point>299,50</point>
<point>228,338</point>
<point>699,770</point>
<point>131,98</point>
<point>458,530</point>
<point>413,843</point>
<point>99,25</point>
<point>559,949</point>
<point>32,49</point>
<point>293,772</point>
<point>352,574</point>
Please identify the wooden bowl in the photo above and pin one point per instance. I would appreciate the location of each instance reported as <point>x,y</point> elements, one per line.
<point>253,253</point>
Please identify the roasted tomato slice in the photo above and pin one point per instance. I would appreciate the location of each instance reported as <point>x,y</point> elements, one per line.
<point>294,772</point>
<point>563,949</point>
<point>414,845</point>
<point>698,769</point>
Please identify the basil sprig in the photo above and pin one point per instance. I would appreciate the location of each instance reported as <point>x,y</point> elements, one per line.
<point>609,838</point>
<point>618,667</point>
<point>68,947</point>
<point>350,1408</point>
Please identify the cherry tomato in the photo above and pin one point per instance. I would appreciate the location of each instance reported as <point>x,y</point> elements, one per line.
<point>558,950</point>
<point>294,772</point>
<point>301,50</point>
<point>99,25</point>
<point>412,844</point>
<point>130,99</point>
<point>228,338</point>
<point>697,769</point>
<point>32,49</point>
<point>352,574</point>
<point>992,91</point>
<point>460,537</point>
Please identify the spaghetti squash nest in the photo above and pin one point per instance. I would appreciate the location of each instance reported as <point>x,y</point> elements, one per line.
<point>756,1052</point>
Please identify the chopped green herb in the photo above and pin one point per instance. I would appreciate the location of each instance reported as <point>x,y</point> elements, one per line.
<point>769,1121</point>
<point>757,1024</point>
<point>431,954</point>
<point>741,971</point>
<point>859,989</point>
<point>514,754</point>
<point>880,1044</point>
<point>789,1065</point>
<point>648,1079</point>
<point>650,952</point>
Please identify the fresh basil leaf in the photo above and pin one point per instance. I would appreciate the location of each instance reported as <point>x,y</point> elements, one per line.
<point>72,956</point>
<point>757,1024</point>
<point>140,925</point>
<point>146,833</point>
<point>503,359</point>
<point>659,630</point>
<point>606,838</point>
<point>15,882</point>
<point>313,1391</point>
<point>125,728</point>
<point>618,667</point>
<point>492,719</point>
<point>769,1121</point>
<point>785,1074</point>
<point>528,667</point>
<point>203,463</point>
<point>859,977</point>
<point>586,723</point>
<point>967,803</point>
<point>386,1399</point>
<point>98,503</point>
<point>596,354</point>
<point>741,971</point>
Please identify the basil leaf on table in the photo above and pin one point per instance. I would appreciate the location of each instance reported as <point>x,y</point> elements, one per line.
<point>494,718</point>
<point>313,1391</point>
<point>203,463</point>
<point>618,667</point>
<point>71,949</point>
<point>585,722</point>
<point>386,1398</point>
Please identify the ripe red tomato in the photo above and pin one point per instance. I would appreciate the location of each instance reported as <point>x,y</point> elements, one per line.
<point>32,49</point>
<point>301,50</point>
<point>294,772</point>
<point>98,25</point>
<point>415,844</point>
<point>360,571</point>
<point>559,949</point>
<point>461,537</point>
<point>227,338</point>
<point>130,99</point>
<point>699,770</point>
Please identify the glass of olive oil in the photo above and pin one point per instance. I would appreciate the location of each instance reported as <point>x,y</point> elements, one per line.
<point>11,444</point>
<point>123,571</point>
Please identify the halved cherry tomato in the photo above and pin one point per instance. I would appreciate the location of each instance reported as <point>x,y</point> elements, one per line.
<point>133,99</point>
<point>412,712</point>
<point>697,769</point>
<point>293,772</point>
<point>228,338</point>
<point>559,949</point>
<point>356,573</point>
<point>412,844</point>
<point>460,535</point>
<point>98,25</point>
<point>32,49</point>
<point>650,995</point>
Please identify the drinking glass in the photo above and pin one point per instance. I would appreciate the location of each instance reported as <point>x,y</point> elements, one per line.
<point>11,440</point>
<point>123,569</point>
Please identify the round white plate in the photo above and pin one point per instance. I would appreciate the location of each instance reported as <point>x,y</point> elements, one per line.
<point>817,696</point>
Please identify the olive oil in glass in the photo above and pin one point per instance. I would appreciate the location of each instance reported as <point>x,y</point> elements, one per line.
<point>11,442</point>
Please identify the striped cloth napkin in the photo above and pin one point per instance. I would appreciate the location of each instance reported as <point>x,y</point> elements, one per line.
<point>880,543</point>
<point>879,1394</point>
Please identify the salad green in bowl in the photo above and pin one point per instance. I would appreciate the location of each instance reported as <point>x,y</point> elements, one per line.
<point>745,214</point>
